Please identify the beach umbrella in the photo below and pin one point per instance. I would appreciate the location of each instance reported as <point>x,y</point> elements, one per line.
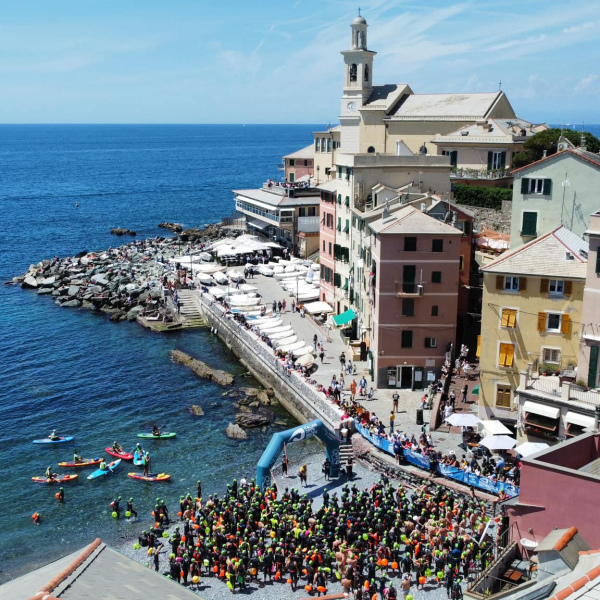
<point>463,420</point>
<point>498,442</point>
<point>528,448</point>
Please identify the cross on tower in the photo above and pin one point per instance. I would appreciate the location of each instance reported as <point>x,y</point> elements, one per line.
<point>359,11</point>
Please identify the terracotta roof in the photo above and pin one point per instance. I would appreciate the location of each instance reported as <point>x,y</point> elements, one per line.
<point>307,152</point>
<point>412,220</point>
<point>590,157</point>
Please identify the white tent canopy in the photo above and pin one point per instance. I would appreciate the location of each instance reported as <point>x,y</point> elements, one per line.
<point>498,442</point>
<point>317,307</point>
<point>493,427</point>
<point>529,448</point>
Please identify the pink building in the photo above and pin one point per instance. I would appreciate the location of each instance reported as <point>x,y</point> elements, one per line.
<point>327,242</point>
<point>559,488</point>
<point>299,165</point>
<point>413,295</point>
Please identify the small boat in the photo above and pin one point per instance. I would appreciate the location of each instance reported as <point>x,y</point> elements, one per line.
<point>302,351</point>
<point>265,271</point>
<point>235,275</point>
<point>151,477</point>
<point>56,479</point>
<point>205,256</point>
<point>274,330</point>
<point>84,462</point>
<point>291,347</point>
<point>123,455</point>
<point>285,341</point>
<point>242,300</point>
<point>280,332</point>
<point>110,468</point>
<point>164,435</point>
<point>205,279</point>
<point>264,326</point>
<point>220,278</point>
<point>59,440</point>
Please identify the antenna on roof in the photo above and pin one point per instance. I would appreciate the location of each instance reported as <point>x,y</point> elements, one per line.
<point>500,85</point>
<point>359,11</point>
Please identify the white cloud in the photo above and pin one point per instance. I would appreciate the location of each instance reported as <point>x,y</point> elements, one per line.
<point>578,28</point>
<point>588,86</point>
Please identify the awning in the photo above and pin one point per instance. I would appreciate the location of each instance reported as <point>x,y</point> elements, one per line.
<point>577,419</point>
<point>540,422</point>
<point>475,390</point>
<point>495,428</point>
<point>258,224</point>
<point>345,288</point>
<point>345,317</point>
<point>541,409</point>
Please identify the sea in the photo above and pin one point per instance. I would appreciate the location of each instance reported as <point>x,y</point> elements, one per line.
<point>62,188</point>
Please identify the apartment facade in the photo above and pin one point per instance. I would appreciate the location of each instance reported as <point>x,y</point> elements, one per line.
<point>299,165</point>
<point>560,189</point>
<point>531,317</point>
<point>412,276</point>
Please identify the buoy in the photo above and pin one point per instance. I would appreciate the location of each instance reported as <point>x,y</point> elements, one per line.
<point>289,580</point>
<point>127,513</point>
<point>57,495</point>
<point>150,551</point>
<point>195,579</point>
<point>115,514</point>
<point>136,545</point>
<point>321,588</point>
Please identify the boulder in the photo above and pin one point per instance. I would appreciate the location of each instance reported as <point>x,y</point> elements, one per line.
<point>248,420</point>
<point>201,369</point>
<point>196,410</point>
<point>73,290</point>
<point>132,315</point>
<point>117,316</point>
<point>46,290</point>
<point>30,283</point>
<point>122,231</point>
<point>48,282</point>
<point>71,304</point>
<point>235,432</point>
<point>100,279</point>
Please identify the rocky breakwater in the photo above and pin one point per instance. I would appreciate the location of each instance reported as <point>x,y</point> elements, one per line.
<point>123,282</point>
<point>201,369</point>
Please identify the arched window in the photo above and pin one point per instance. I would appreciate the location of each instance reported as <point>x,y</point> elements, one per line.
<point>328,144</point>
<point>352,72</point>
<point>317,144</point>
<point>323,145</point>
<point>371,150</point>
<point>366,72</point>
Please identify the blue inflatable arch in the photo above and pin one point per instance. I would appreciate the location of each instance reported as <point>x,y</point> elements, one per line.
<point>290,436</point>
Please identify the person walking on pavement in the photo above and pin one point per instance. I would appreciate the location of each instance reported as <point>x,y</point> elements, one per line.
<point>283,305</point>
<point>353,389</point>
<point>465,391</point>
<point>274,306</point>
<point>322,355</point>
<point>392,419</point>
<point>342,360</point>
<point>279,305</point>
<point>315,340</point>
<point>395,398</point>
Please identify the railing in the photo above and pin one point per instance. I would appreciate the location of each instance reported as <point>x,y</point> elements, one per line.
<point>480,174</point>
<point>308,224</point>
<point>314,399</point>
<point>408,288</point>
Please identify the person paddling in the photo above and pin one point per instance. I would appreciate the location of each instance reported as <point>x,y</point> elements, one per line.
<point>77,457</point>
<point>146,463</point>
<point>49,475</point>
<point>156,430</point>
<point>53,435</point>
<point>103,466</point>
<point>117,447</point>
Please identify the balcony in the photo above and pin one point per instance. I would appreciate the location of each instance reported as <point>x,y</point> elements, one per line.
<point>281,166</point>
<point>408,288</point>
<point>463,173</point>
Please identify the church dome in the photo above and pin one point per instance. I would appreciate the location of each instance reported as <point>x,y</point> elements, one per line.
<point>359,21</point>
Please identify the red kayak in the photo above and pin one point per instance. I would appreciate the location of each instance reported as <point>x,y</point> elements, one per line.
<point>56,479</point>
<point>123,455</point>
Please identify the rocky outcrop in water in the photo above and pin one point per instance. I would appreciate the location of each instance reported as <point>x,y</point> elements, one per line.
<point>122,231</point>
<point>176,227</point>
<point>235,432</point>
<point>201,369</point>
<point>250,420</point>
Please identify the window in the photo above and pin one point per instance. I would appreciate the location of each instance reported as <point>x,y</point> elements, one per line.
<point>437,245</point>
<point>306,163</point>
<point>329,220</point>
<point>529,224</point>
<point>408,307</point>
<point>330,248</point>
<point>536,186</point>
<point>506,356</point>
<point>509,318</point>
<point>317,144</point>
<point>347,226</point>
<point>347,201</point>
<point>337,280</point>
<point>312,211</point>
<point>435,311</point>
<point>430,342</point>
<point>503,396</point>
<point>598,263</point>
<point>453,154</point>
<point>339,225</point>
<point>339,172</point>
<point>371,150</point>
<point>556,286</point>
<point>323,245</point>
<point>302,211</point>
<point>510,284</point>
<point>553,321</point>
<point>353,72</point>
<point>410,244</point>
<point>328,144</point>
<point>436,277</point>
<point>366,72</point>
<point>551,355</point>
<point>461,263</point>
<point>496,160</point>
<point>406,339</point>
<point>292,162</point>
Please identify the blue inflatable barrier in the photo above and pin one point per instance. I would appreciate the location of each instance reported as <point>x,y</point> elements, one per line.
<point>415,458</point>
<point>297,434</point>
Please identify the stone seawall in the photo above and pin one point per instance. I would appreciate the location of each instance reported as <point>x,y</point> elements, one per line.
<point>297,397</point>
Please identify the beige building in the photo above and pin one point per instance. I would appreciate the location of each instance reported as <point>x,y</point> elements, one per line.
<point>531,317</point>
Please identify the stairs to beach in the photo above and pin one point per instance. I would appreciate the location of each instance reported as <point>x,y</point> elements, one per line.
<point>190,314</point>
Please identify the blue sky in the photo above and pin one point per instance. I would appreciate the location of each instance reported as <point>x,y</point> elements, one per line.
<point>278,61</point>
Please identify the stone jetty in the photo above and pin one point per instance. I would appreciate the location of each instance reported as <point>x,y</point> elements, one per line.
<point>201,369</point>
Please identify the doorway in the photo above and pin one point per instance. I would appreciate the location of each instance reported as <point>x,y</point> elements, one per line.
<point>405,377</point>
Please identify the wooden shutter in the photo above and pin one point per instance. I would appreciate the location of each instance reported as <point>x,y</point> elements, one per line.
<point>593,368</point>
<point>565,324</point>
<point>510,355</point>
<point>522,284</point>
<point>502,358</point>
<point>524,185</point>
<point>502,160</point>
<point>547,187</point>
<point>478,353</point>
<point>505,317</point>
<point>490,159</point>
<point>499,282</point>
<point>544,286</point>
<point>512,318</point>
<point>541,321</point>
<point>568,288</point>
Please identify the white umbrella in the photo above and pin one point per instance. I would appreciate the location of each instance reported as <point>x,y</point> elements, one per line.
<point>498,442</point>
<point>306,360</point>
<point>494,427</point>
<point>463,420</point>
<point>528,448</point>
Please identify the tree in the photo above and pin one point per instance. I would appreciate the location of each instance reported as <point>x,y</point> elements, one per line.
<point>533,148</point>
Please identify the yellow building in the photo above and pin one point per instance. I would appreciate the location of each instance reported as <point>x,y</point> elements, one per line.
<point>531,315</point>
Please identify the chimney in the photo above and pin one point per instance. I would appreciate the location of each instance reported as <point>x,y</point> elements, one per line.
<point>545,154</point>
<point>566,390</point>
<point>423,206</point>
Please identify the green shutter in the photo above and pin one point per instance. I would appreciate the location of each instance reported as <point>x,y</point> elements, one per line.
<point>593,367</point>
<point>339,227</point>
<point>529,226</point>
<point>347,201</point>
<point>453,158</point>
<point>524,185</point>
<point>547,187</point>
<point>337,280</point>
<point>502,160</point>
<point>597,262</point>
<point>347,227</point>
<point>490,159</point>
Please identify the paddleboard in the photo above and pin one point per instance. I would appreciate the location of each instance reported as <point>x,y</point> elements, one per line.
<point>138,460</point>
<point>60,440</point>
<point>84,462</point>
<point>100,473</point>
<point>59,479</point>
<point>150,477</point>
<point>162,436</point>
<point>123,455</point>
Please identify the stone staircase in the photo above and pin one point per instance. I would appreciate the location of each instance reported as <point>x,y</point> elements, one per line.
<point>190,314</point>
<point>346,450</point>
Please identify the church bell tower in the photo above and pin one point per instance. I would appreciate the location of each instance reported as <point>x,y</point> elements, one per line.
<point>358,84</point>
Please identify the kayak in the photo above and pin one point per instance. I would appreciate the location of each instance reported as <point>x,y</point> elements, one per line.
<point>138,460</point>
<point>100,473</point>
<point>150,436</point>
<point>59,479</point>
<point>123,455</point>
<point>59,440</point>
<point>84,462</point>
<point>150,476</point>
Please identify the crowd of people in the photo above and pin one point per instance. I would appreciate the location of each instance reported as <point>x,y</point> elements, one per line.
<point>387,539</point>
